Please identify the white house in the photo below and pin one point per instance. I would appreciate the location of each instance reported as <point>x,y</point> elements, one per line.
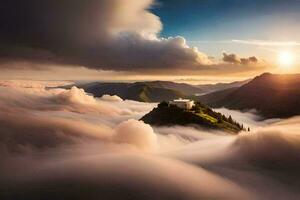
<point>182,103</point>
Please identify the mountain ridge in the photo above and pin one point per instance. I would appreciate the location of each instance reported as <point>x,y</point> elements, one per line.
<point>272,95</point>
<point>149,91</point>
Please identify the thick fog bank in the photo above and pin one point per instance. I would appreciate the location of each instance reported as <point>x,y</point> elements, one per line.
<point>65,144</point>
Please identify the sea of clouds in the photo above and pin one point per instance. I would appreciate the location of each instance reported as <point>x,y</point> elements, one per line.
<point>66,144</point>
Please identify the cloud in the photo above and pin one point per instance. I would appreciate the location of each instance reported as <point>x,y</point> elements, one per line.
<point>60,147</point>
<point>114,176</point>
<point>71,145</point>
<point>235,59</point>
<point>116,35</point>
<point>111,98</point>
<point>97,34</point>
<point>136,132</point>
<point>32,117</point>
<point>250,118</point>
<point>265,161</point>
<point>231,58</point>
<point>251,42</point>
<point>267,42</point>
<point>259,148</point>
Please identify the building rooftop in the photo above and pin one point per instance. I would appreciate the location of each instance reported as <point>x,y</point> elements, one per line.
<point>181,100</point>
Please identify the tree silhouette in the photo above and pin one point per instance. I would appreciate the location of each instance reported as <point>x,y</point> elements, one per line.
<point>163,104</point>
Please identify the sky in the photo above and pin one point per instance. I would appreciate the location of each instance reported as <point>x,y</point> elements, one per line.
<point>126,40</point>
<point>231,25</point>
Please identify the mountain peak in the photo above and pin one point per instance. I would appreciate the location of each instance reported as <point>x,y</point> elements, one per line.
<point>272,95</point>
<point>266,74</point>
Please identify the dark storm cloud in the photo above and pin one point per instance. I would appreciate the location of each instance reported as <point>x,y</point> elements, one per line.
<point>100,34</point>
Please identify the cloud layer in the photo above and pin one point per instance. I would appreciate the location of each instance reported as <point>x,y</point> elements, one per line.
<point>66,144</point>
<point>119,35</point>
<point>100,34</point>
<point>33,117</point>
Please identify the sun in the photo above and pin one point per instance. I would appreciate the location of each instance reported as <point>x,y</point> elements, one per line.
<point>286,59</point>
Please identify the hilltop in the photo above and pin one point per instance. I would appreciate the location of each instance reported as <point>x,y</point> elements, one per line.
<point>199,116</point>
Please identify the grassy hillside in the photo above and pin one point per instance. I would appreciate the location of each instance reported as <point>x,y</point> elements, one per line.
<point>199,116</point>
<point>153,94</point>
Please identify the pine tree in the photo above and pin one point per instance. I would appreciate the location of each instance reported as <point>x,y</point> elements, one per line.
<point>230,119</point>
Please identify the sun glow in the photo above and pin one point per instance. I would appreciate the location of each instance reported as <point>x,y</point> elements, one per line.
<point>286,59</point>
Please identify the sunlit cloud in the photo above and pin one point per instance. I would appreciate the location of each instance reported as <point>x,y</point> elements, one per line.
<point>268,43</point>
<point>250,42</point>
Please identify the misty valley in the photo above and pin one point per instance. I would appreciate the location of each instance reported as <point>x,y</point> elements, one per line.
<point>61,142</point>
<point>149,100</point>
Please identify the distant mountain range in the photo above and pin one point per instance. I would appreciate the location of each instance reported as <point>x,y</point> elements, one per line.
<point>154,91</point>
<point>139,91</point>
<point>272,95</point>
<point>208,88</point>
